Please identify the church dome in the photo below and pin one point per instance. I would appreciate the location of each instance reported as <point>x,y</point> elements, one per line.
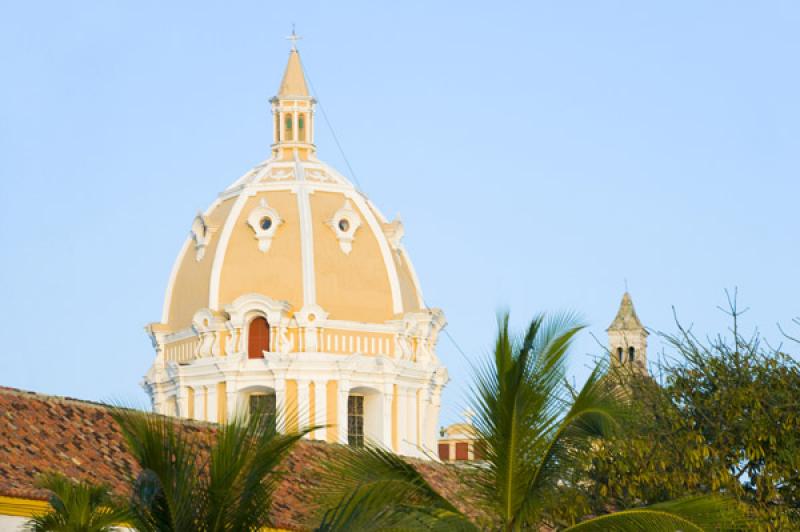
<point>299,232</point>
<point>295,229</point>
<point>293,294</point>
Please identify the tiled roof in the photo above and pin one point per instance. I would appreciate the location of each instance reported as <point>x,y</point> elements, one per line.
<point>41,433</point>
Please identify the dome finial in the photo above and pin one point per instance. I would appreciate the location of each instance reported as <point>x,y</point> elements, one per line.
<point>294,81</point>
<point>294,37</point>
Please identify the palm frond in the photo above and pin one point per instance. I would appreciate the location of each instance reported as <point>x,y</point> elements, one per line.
<point>371,488</point>
<point>354,468</point>
<point>596,412</point>
<point>219,480</point>
<point>704,513</point>
<point>244,471</point>
<point>77,506</point>
<point>164,493</point>
<point>519,400</point>
<point>375,508</point>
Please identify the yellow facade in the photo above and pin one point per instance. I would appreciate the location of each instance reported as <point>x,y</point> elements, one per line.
<point>277,273</point>
<point>353,286</point>
<point>332,393</point>
<point>222,402</point>
<point>292,410</point>
<point>190,289</point>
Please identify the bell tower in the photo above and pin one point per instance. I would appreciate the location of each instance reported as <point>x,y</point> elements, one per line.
<point>627,338</point>
<point>293,112</point>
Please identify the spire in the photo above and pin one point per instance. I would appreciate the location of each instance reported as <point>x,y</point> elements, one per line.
<point>626,319</point>
<point>293,84</point>
<point>293,112</point>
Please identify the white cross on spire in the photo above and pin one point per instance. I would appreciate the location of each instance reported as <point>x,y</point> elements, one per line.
<point>294,37</point>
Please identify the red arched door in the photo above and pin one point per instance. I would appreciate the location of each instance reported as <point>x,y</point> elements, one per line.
<point>258,338</point>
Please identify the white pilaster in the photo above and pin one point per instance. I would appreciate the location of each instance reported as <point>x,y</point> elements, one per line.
<point>402,420</point>
<point>320,407</point>
<point>310,124</point>
<point>388,396</point>
<point>198,403</point>
<point>280,403</point>
<point>344,393</point>
<point>303,404</point>
<point>432,417</point>
<point>183,402</point>
<point>411,422</point>
<point>232,401</point>
<point>212,403</point>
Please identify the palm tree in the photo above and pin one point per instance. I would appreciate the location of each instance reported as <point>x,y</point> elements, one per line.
<point>77,507</point>
<point>202,481</point>
<point>535,433</point>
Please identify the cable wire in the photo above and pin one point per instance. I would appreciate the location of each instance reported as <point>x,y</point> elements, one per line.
<point>358,183</point>
<point>330,126</point>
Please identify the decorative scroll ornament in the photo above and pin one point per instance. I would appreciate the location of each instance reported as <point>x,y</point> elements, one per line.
<point>264,221</point>
<point>345,223</point>
<point>201,234</point>
<point>394,232</point>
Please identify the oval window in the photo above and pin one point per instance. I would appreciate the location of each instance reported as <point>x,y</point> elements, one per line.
<point>266,223</point>
<point>344,225</point>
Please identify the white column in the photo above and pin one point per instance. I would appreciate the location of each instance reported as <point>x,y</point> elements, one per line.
<point>411,421</point>
<point>303,404</point>
<point>344,393</point>
<point>388,396</point>
<point>198,403</point>
<point>183,402</point>
<point>432,416</point>
<point>231,401</point>
<point>280,403</point>
<point>295,127</point>
<point>320,407</point>
<point>402,421</point>
<point>212,402</point>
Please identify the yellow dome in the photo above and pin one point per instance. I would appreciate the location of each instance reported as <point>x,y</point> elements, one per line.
<point>294,293</point>
<point>295,231</point>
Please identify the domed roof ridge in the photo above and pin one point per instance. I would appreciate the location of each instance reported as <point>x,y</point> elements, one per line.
<point>274,170</point>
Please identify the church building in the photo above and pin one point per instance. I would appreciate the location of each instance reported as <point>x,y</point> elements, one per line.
<point>294,294</point>
<point>627,338</point>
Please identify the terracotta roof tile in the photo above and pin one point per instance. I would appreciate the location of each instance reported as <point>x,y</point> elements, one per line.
<point>41,433</point>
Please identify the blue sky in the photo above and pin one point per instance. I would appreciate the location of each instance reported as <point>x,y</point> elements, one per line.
<point>539,153</point>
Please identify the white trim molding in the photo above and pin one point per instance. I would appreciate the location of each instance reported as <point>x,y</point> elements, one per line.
<point>345,223</point>
<point>264,221</point>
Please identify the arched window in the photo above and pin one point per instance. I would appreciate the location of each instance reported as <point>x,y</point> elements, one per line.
<point>631,353</point>
<point>620,355</point>
<point>258,338</point>
<point>301,127</point>
<point>288,135</point>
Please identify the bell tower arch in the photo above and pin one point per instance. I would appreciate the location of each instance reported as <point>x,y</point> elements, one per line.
<point>627,338</point>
